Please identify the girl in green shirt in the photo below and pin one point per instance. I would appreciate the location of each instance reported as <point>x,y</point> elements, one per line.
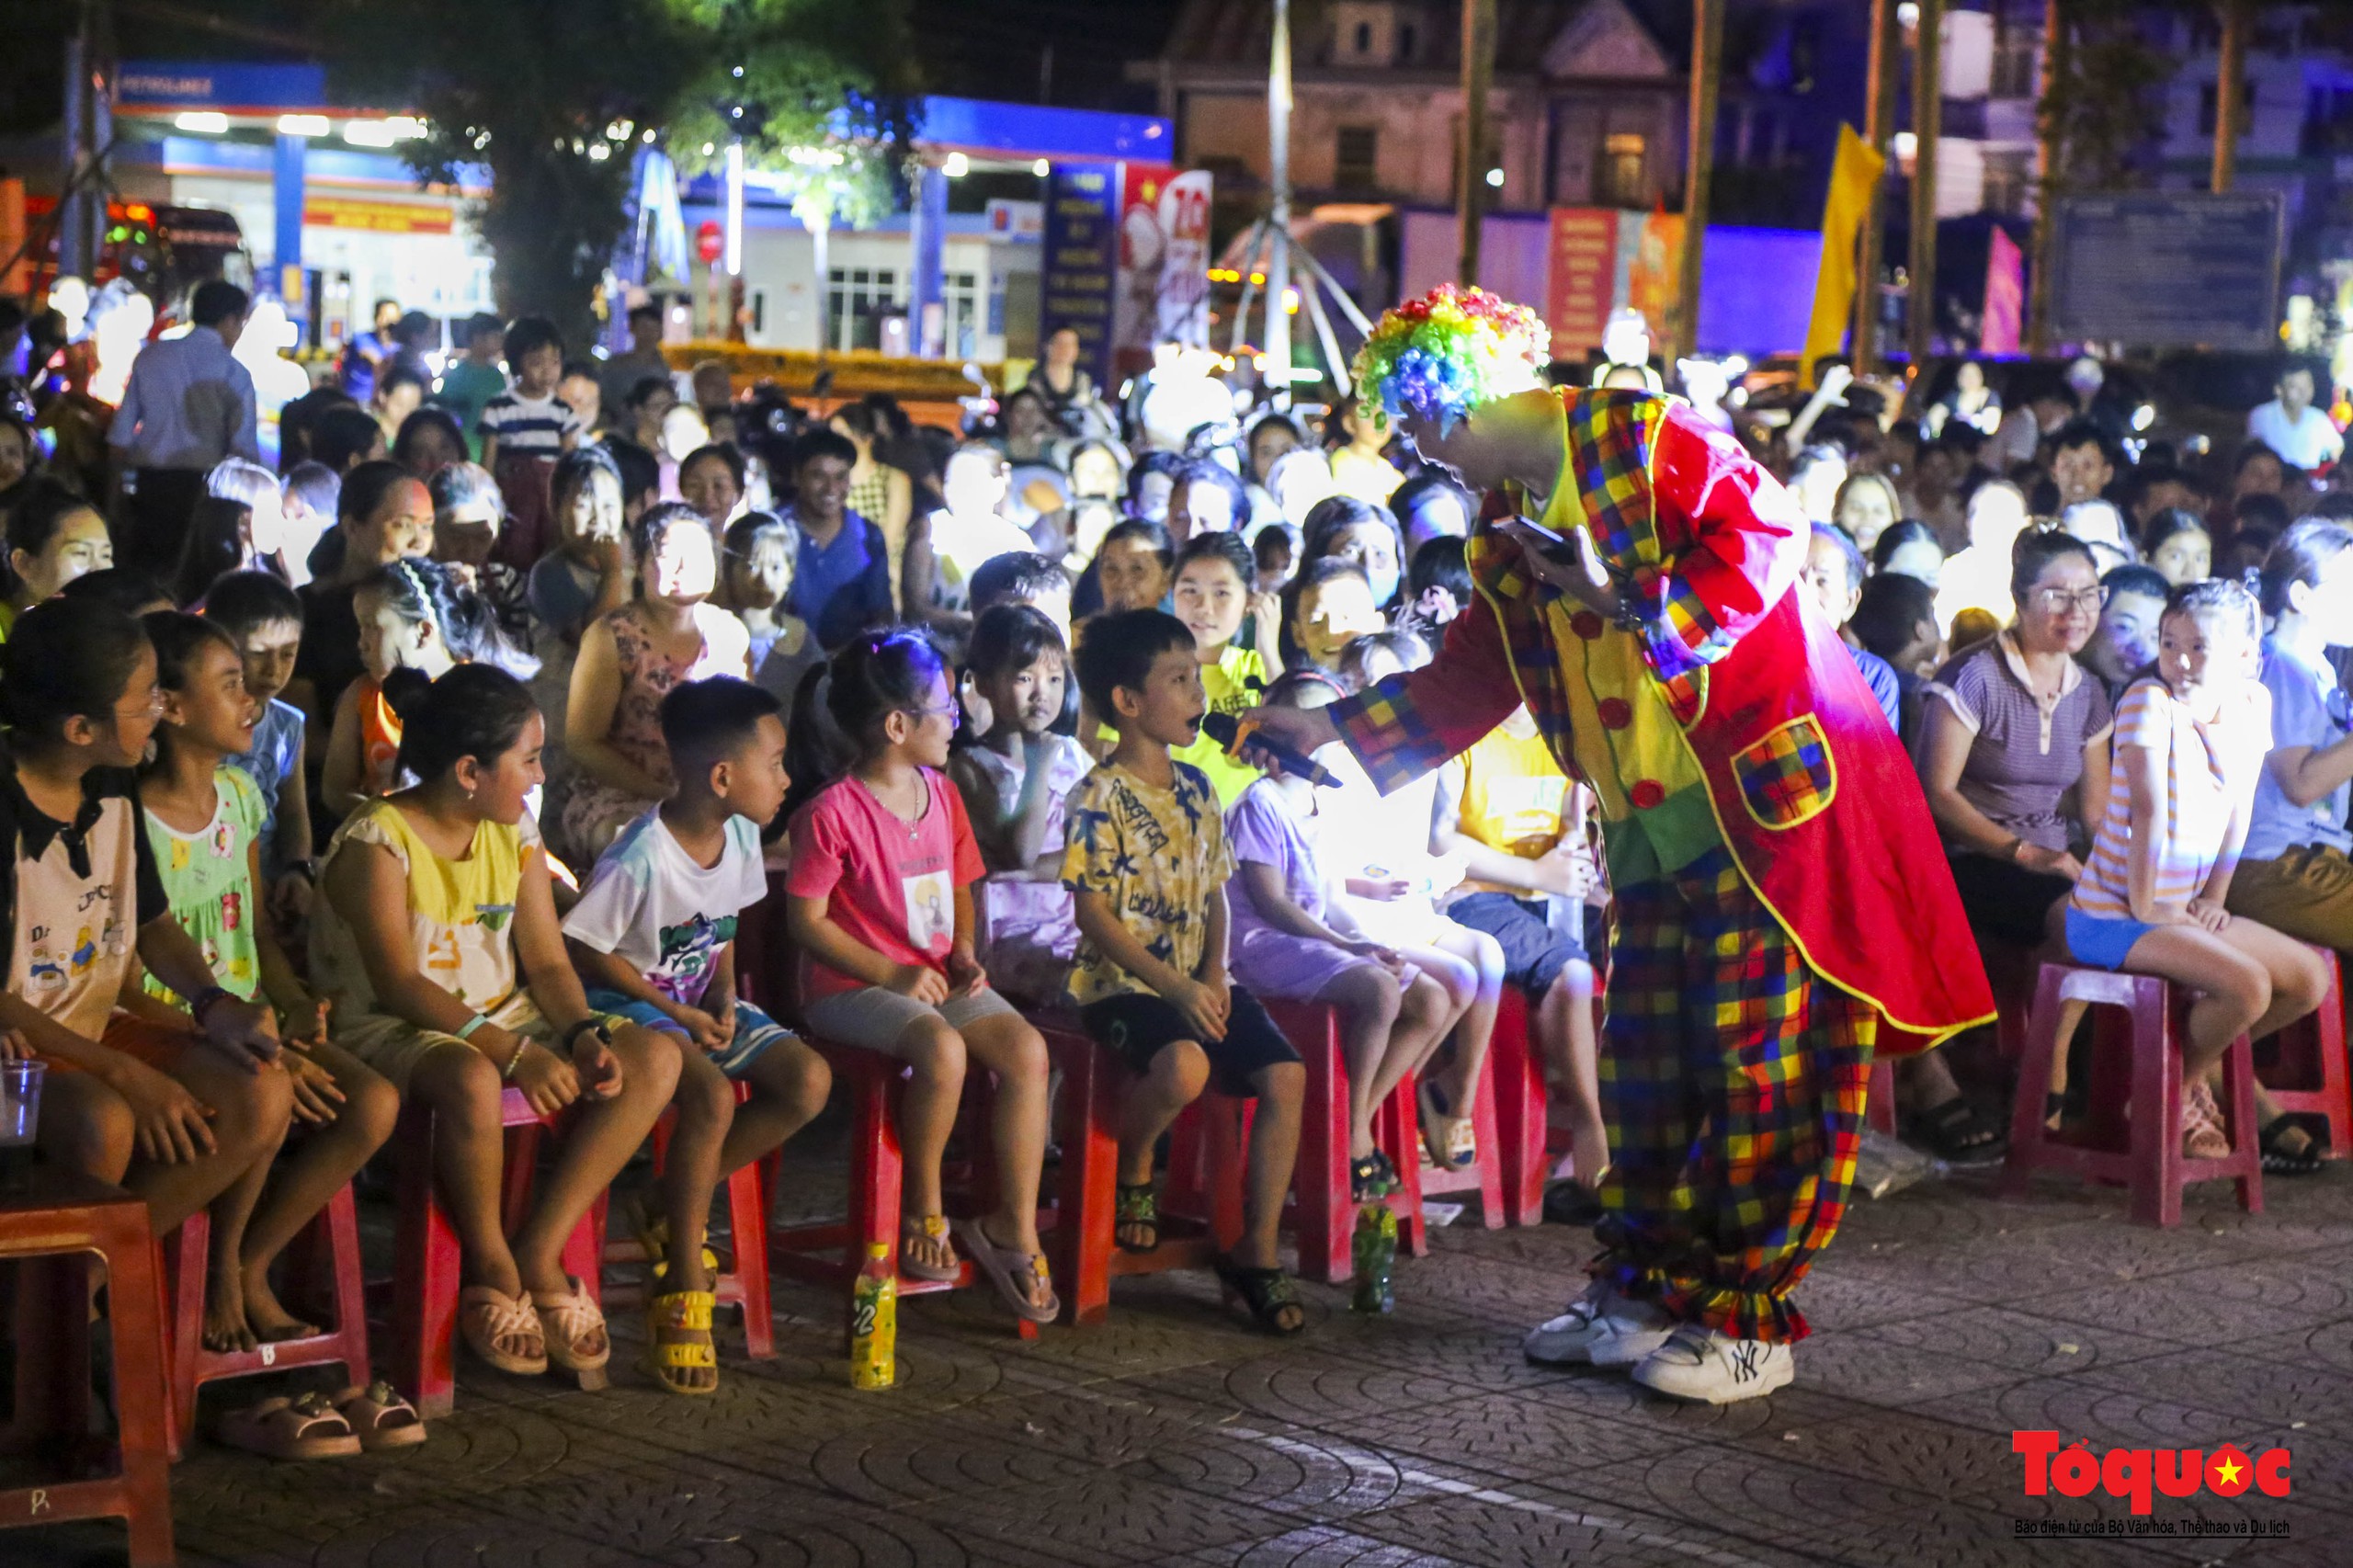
<point>203,819</point>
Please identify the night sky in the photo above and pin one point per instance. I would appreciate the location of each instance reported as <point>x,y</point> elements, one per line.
<point>991,49</point>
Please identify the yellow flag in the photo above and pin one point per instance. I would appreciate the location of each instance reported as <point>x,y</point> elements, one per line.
<point>1853,177</point>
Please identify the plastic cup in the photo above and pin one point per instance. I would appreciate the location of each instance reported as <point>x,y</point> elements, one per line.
<point>20,1083</point>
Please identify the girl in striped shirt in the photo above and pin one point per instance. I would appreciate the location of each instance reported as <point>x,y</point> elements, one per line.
<point>2189,743</point>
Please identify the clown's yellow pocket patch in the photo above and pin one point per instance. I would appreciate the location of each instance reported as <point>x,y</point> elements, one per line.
<point>1787,778</point>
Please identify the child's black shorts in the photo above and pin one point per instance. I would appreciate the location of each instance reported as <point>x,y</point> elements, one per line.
<point>1534,954</point>
<point>1139,1025</point>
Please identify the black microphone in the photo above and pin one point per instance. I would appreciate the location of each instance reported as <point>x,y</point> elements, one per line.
<point>1223,729</point>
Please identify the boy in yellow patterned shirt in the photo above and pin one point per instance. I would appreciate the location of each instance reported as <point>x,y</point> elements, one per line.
<point>1147,865</point>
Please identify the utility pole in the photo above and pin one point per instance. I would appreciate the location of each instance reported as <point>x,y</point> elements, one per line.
<point>1470,172</point>
<point>1927,124</point>
<point>1879,120</point>
<point>2230,94</point>
<point>82,216</point>
<point>1700,162</point>
<point>1276,368</point>
<point>2048,152</point>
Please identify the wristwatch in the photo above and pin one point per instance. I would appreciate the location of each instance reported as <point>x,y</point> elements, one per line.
<point>204,1001</point>
<point>572,1036</point>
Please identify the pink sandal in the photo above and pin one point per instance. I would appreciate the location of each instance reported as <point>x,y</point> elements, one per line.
<point>380,1416</point>
<point>2201,1123</point>
<point>488,1319</point>
<point>1013,1273</point>
<point>570,1322</point>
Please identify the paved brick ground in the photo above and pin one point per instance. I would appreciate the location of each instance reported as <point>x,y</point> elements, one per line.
<point>1944,1321</point>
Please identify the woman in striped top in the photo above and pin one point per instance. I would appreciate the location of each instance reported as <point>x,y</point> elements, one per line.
<point>2189,743</point>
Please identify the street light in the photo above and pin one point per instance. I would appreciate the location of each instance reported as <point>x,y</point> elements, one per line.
<point>956,166</point>
<point>1495,178</point>
<point>204,123</point>
<point>301,125</point>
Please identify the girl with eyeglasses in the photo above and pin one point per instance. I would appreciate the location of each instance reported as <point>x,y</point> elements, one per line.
<point>2010,727</point>
<point>879,901</point>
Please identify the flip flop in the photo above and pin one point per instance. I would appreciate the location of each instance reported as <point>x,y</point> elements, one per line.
<point>2278,1160</point>
<point>568,1322</point>
<point>1008,1270</point>
<point>380,1416</point>
<point>934,1228</point>
<point>486,1316</point>
<point>304,1428</point>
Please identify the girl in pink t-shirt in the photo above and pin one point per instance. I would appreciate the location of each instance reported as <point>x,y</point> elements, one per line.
<point>2189,743</point>
<point>879,899</point>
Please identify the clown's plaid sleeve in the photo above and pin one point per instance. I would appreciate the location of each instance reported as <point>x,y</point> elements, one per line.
<point>1732,542</point>
<point>1409,723</point>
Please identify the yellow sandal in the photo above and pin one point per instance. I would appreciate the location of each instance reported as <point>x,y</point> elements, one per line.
<point>680,1312</point>
<point>655,1237</point>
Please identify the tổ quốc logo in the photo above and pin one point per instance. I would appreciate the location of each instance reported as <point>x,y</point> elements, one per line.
<point>2139,1476</point>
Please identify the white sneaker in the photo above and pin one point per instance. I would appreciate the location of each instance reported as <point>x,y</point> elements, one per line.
<point>1705,1364</point>
<point>1601,1327</point>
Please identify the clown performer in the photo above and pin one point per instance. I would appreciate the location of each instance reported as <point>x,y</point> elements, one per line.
<point>1782,911</point>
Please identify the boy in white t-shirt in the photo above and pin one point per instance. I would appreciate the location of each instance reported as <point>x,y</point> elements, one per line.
<point>654,938</point>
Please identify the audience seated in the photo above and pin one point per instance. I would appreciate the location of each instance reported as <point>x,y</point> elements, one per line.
<point>725,693</point>
<point>2191,738</point>
<point>879,901</point>
<point>669,632</point>
<point>1505,813</point>
<point>1015,780</point>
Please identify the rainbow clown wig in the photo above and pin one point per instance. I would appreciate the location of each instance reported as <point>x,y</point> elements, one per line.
<point>1443,355</point>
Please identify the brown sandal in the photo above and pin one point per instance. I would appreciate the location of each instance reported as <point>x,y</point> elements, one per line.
<point>304,1428</point>
<point>569,1323</point>
<point>488,1318</point>
<point>380,1416</point>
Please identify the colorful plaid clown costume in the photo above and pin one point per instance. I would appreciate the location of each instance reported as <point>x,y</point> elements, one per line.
<point>1782,909</point>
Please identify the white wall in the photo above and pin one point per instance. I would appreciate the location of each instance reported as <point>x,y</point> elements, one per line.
<point>779,268</point>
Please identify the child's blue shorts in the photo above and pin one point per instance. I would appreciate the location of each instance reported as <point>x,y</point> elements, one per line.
<point>755,1030</point>
<point>2101,941</point>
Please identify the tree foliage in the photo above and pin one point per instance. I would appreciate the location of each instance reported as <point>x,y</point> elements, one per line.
<point>554,96</point>
<point>2101,103</point>
<point>832,137</point>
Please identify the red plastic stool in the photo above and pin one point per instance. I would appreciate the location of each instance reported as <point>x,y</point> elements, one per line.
<point>743,1278</point>
<point>49,1234</point>
<point>1323,1211</point>
<point>1201,1200</point>
<point>2135,1094</point>
<point>1521,1114</point>
<point>425,1283</point>
<point>192,1366</point>
<point>831,1253</point>
<point>2311,1054</point>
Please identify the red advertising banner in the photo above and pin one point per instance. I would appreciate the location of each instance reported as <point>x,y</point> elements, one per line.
<point>1584,277</point>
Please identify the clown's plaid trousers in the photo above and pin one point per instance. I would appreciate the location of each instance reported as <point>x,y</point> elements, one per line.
<point>1733,1080</point>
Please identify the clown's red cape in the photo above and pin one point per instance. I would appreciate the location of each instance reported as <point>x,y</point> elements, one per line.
<point>1714,548</point>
